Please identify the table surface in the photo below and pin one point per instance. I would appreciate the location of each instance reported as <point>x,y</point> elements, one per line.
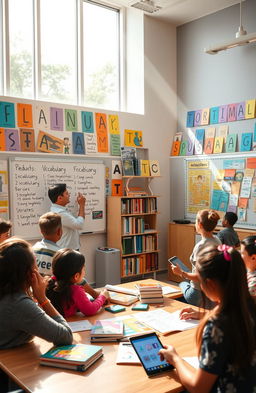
<point>22,363</point>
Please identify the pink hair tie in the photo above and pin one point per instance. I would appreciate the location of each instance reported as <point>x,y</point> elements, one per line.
<point>226,251</point>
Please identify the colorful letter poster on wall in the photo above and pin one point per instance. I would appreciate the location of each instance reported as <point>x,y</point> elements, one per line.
<point>4,209</point>
<point>198,191</point>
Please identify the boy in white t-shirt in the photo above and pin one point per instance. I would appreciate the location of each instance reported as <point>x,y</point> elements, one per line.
<point>44,250</point>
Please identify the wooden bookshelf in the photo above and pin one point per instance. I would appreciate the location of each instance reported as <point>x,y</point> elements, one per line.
<point>126,231</point>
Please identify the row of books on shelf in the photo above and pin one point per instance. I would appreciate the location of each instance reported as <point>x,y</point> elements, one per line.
<point>139,205</point>
<point>138,265</point>
<point>133,225</point>
<point>139,243</point>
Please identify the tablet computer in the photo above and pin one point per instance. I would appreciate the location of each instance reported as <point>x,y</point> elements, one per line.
<point>147,347</point>
<point>176,261</point>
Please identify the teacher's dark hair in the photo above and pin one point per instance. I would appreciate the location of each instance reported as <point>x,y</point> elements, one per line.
<point>16,264</point>
<point>55,191</point>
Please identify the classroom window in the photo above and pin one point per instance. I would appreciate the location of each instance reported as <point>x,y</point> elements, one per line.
<point>58,51</point>
<point>21,46</point>
<point>101,56</point>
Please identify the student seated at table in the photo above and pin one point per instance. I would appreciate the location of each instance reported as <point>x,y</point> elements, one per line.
<point>248,253</point>
<point>21,318</point>
<point>226,337</point>
<point>68,268</point>
<point>44,250</point>
<point>5,227</point>
<point>206,221</point>
<point>228,235</point>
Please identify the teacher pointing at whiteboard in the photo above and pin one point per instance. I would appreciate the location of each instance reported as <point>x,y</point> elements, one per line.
<point>71,225</point>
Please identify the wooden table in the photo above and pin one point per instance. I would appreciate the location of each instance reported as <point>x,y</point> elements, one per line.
<point>22,364</point>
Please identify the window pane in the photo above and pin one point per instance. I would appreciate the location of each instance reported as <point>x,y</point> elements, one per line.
<point>101,56</point>
<point>21,48</point>
<point>58,51</point>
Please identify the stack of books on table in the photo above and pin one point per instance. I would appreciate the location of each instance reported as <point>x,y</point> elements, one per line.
<point>74,357</point>
<point>107,330</point>
<point>122,298</point>
<point>151,293</point>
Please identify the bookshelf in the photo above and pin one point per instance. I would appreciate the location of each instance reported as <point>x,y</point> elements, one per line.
<point>132,228</point>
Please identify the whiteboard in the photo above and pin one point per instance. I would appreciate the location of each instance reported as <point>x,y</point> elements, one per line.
<point>216,163</point>
<point>29,184</point>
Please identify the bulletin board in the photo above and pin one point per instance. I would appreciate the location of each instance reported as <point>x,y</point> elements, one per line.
<point>30,180</point>
<point>223,184</point>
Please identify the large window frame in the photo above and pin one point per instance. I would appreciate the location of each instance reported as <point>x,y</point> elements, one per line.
<point>80,55</point>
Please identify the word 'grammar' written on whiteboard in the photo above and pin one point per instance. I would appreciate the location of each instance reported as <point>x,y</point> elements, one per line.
<point>30,181</point>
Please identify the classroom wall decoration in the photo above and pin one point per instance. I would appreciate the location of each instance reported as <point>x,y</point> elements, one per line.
<point>222,184</point>
<point>4,212</point>
<point>214,137</point>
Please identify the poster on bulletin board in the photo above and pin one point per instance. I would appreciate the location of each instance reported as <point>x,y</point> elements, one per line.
<point>222,184</point>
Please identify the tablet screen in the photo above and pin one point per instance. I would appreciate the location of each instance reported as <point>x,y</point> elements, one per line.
<point>147,348</point>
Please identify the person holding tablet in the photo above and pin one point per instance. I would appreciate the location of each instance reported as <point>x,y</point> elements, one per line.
<point>226,337</point>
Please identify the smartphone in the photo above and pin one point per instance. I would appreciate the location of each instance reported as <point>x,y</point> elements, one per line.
<point>147,347</point>
<point>140,307</point>
<point>115,308</point>
<point>176,261</point>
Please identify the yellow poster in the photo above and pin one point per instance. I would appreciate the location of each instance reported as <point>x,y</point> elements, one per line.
<point>198,196</point>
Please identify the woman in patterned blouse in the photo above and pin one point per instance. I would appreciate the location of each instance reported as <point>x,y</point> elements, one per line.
<point>226,337</point>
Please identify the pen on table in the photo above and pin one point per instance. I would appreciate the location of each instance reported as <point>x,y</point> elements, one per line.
<point>85,233</point>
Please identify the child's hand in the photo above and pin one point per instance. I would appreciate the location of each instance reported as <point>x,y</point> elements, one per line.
<point>190,313</point>
<point>39,285</point>
<point>176,270</point>
<point>105,293</point>
<point>168,353</point>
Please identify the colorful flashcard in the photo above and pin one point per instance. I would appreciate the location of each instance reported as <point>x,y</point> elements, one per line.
<point>210,132</point>
<point>190,146</point>
<point>48,143</point>
<point>223,202</point>
<point>145,168</point>
<point>240,111</point>
<point>102,132</point>
<point>197,118</point>
<point>241,213</point>
<point>218,144</point>
<point>246,187</point>
<point>56,119</point>
<point>2,140</point>
<point>117,187</point>
<point>250,109</point>
<point>12,141</point>
<point>234,164</point>
<point>115,142</point>
<point>233,200</point>
<point>243,203</point>
<point>239,176</point>
<point>183,148</point>
<point>223,131</point>
<point>253,191</point>
<point>231,143</point>
<point>154,168</point>
<point>190,119</point>
<point>214,115</point>
<point>223,114</point>
<point>232,112</point>
<point>205,116</point>
<point>229,174</point>
<point>199,141</point>
<point>87,122</point>
<point>24,114</point>
<point>246,141</point>
<point>67,145</point>
<point>208,146</point>
<point>215,199</point>
<point>27,139</point>
<point>42,116</point>
<point>175,148</point>
<point>133,138</point>
<point>78,143</point>
<point>251,162</point>
<point>116,169</point>
<point>90,143</point>
<point>71,120</point>
<point>232,209</point>
<point>7,114</point>
<point>113,124</point>
<point>249,172</point>
<point>178,136</point>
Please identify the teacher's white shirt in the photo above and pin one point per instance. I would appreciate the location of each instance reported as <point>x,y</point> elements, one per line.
<point>70,225</point>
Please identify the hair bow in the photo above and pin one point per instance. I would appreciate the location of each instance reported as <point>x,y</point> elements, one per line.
<point>226,251</point>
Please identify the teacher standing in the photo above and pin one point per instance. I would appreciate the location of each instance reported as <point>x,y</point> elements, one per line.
<point>71,225</point>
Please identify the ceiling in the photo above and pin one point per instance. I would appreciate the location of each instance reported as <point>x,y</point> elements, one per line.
<point>179,12</point>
